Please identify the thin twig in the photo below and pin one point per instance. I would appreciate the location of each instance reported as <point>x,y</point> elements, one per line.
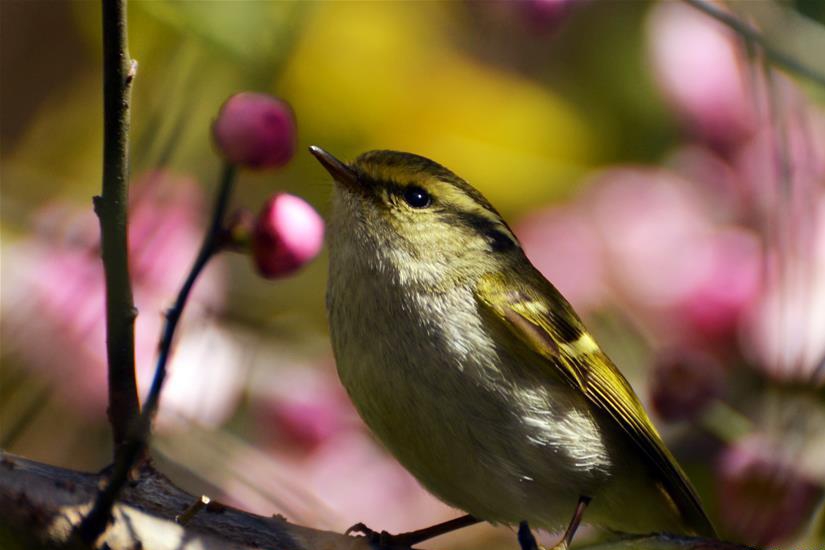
<point>211,244</point>
<point>111,206</point>
<point>95,522</point>
<point>748,33</point>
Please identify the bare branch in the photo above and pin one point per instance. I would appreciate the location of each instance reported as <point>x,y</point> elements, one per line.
<point>134,447</point>
<point>49,502</point>
<point>111,207</point>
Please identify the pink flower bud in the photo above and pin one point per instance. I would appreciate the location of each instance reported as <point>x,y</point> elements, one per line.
<point>288,233</point>
<point>255,130</point>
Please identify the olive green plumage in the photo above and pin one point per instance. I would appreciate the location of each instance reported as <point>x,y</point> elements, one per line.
<point>472,368</point>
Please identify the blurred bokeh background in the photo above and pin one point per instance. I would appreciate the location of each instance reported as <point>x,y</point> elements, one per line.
<point>659,169</point>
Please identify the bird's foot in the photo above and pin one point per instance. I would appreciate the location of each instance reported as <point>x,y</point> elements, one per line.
<point>374,537</point>
<point>528,542</point>
<point>386,540</point>
<point>381,539</point>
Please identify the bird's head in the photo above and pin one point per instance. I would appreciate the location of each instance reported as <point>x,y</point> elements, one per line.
<point>417,216</point>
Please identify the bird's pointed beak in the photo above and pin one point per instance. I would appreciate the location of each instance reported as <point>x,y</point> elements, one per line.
<point>338,170</point>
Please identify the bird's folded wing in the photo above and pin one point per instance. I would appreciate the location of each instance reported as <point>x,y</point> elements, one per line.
<point>543,320</point>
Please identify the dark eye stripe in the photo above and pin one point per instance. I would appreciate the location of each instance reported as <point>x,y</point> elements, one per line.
<point>499,242</point>
<point>498,239</point>
<point>497,234</point>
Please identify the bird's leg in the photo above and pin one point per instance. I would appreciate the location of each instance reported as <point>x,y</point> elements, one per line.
<point>528,542</point>
<point>385,540</point>
<point>565,541</point>
<point>525,537</point>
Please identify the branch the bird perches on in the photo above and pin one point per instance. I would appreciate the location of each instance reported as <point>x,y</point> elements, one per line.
<point>45,503</point>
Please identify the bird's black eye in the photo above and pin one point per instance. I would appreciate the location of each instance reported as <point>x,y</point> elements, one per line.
<point>417,197</point>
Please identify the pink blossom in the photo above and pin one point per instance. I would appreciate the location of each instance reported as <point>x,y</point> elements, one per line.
<point>654,245</point>
<point>547,15</point>
<point>785,333</point>
<point>322,465</point>
<point>563,244</point>
<point>763,497</point>
<point>255,130</point>
<point>301,408</point>
<point>56,305</point>
<point>681,270</point>
<point>648,221</point>
<point>288,234</point>
<point>730,284</point>
<point>784,167</point>
<point>698,64</point>
<point>713,177</point>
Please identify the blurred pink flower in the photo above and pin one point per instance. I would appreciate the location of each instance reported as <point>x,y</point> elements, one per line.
<point>784,167</point>
<point>300,408</point>
<point>317,437</point>
<point>785,333</point>
<point>727,289</point>
<point>653,244</point>
<point>540,18</point>
<point>365,484</point>
<point>547,15</point>
<point>55,307</point>
<point>255,130</point>
<point>648,222</point>
<point>763,498</point>
<point>288,233</point>
<point>698,64</point>
<point>669,258</point>
<point>563,244</point>
<point>714,177</point>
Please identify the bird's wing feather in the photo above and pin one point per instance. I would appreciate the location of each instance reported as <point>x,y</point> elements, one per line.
<point>541,318</point>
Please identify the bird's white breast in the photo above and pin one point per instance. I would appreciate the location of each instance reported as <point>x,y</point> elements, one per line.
<point>429,380</point>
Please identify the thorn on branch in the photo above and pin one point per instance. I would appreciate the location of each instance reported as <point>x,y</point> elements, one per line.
<point>192,510</point>
<point>132,73</point>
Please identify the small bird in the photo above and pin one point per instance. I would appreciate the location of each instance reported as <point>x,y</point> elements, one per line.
<point>474,371</point>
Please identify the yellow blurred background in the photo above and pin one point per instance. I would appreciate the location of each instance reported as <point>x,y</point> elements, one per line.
<point>549,107</point>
